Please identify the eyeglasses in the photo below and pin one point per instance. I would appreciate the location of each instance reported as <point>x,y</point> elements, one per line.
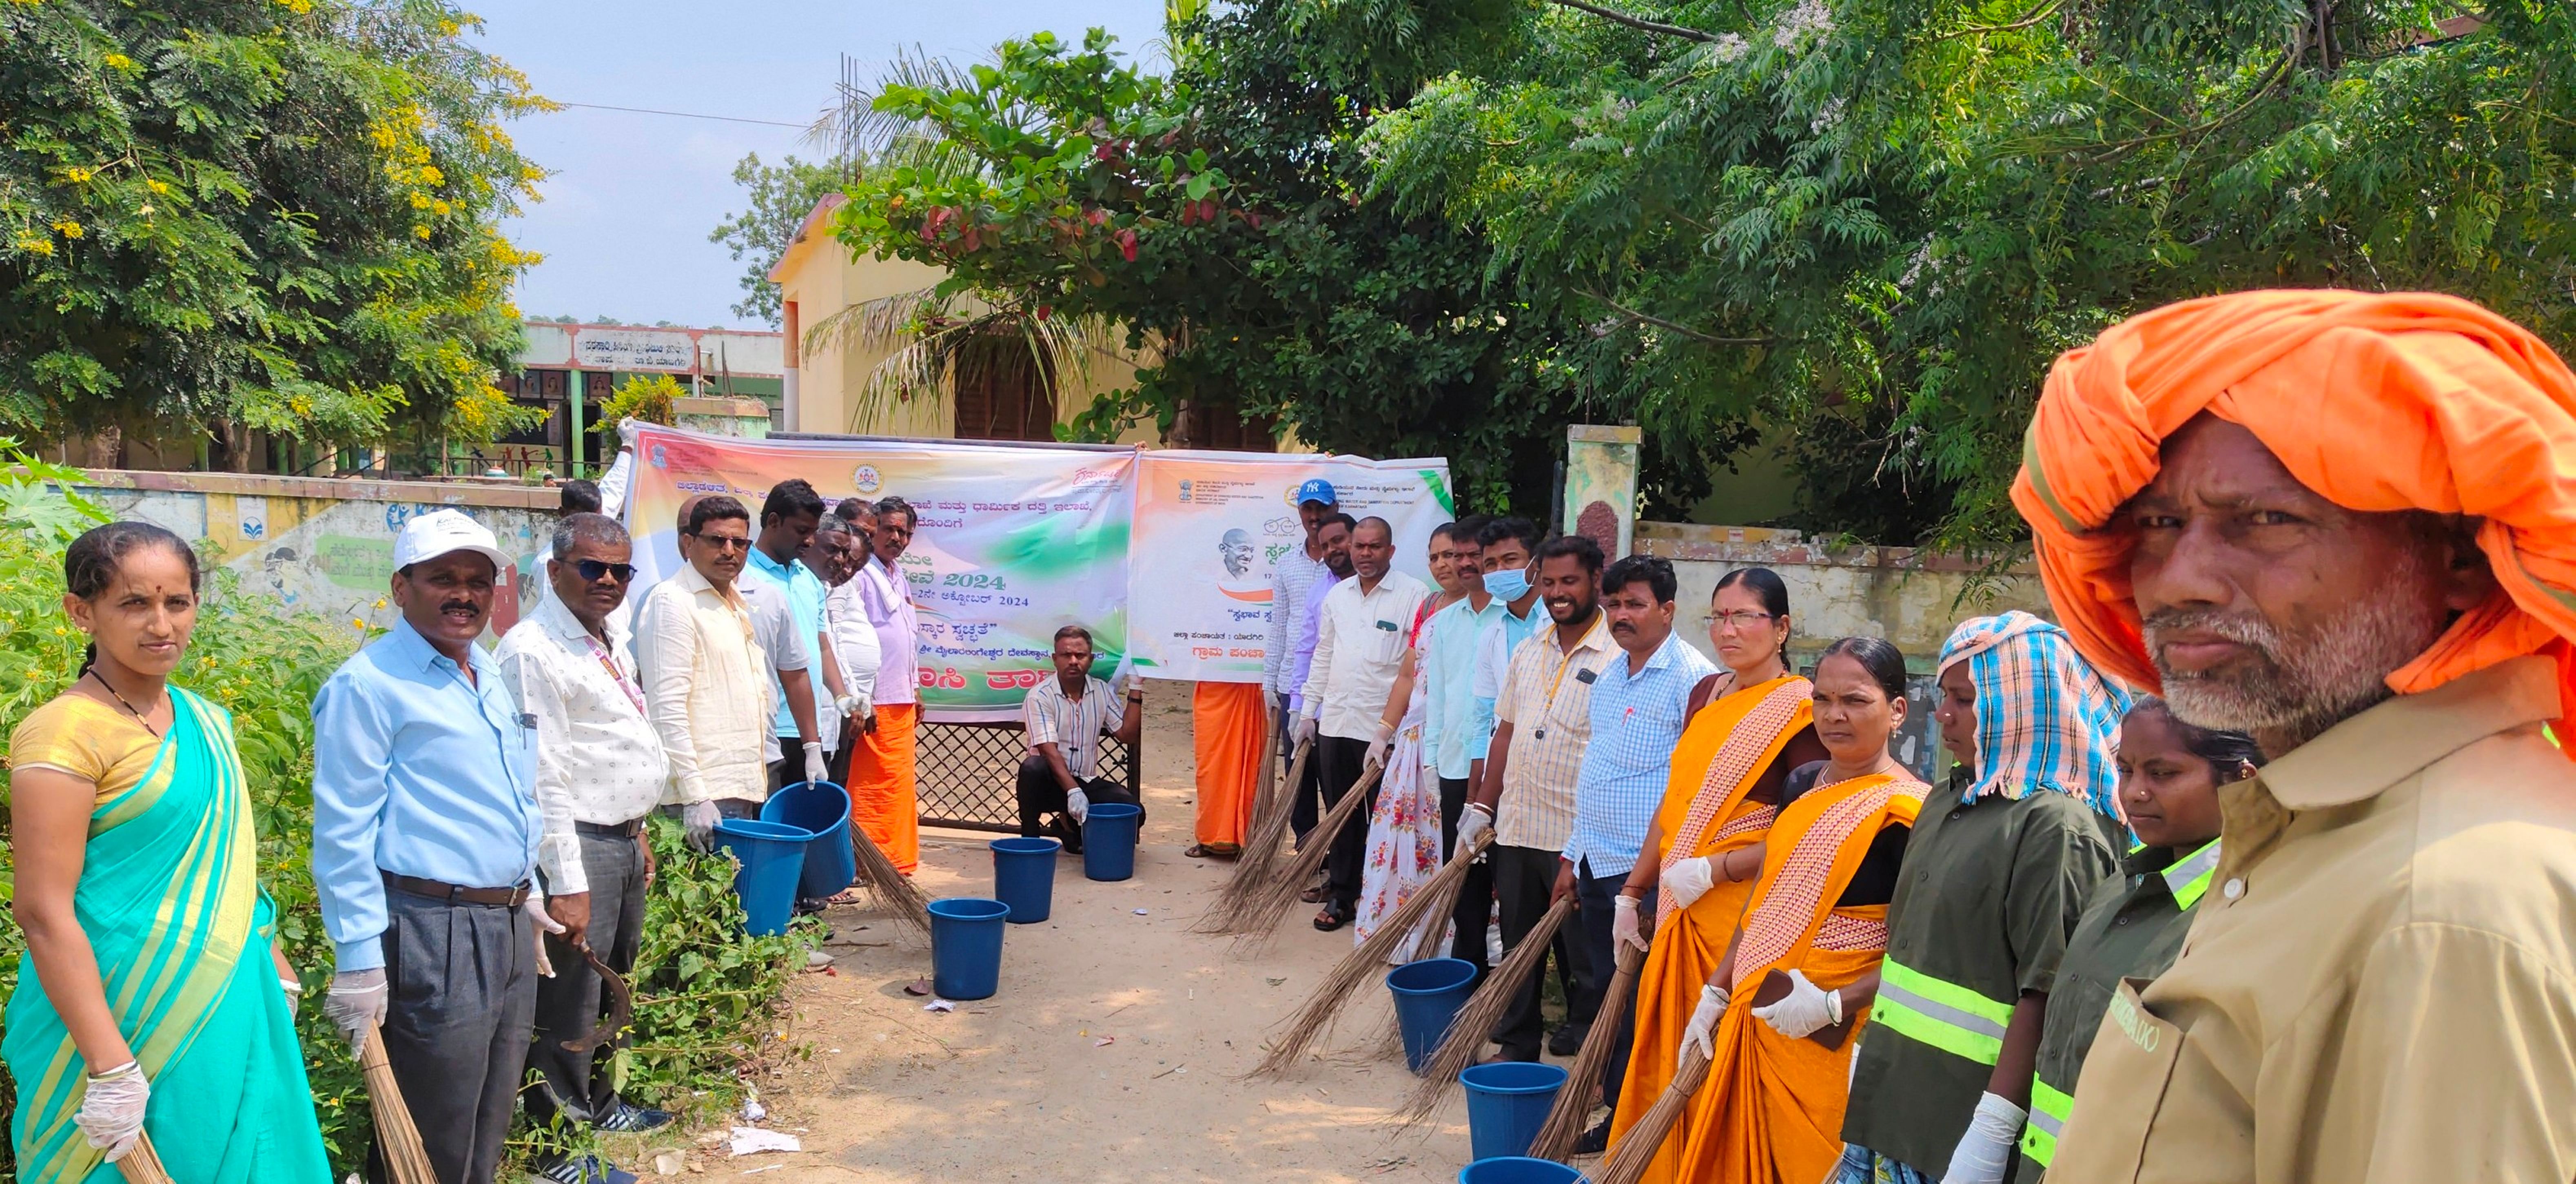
<point>723,542</point>
<point>591,569</point>
<point>1736,620</point>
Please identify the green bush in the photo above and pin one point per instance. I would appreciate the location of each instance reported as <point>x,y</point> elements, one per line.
<point>707,995</point>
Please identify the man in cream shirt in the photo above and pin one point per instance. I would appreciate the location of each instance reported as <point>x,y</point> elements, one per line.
<point>1360,639</point>
<point>707,682</point>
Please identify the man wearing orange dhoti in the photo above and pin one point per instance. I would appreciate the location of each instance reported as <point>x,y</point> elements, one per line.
<point>883,790</point>
<point>1228,725</point>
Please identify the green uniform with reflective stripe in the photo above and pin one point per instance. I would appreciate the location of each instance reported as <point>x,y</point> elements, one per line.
<point>1984,904</point>
<point>2134,928</point>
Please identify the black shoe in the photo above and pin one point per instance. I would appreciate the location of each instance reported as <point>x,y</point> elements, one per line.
<point>1594,1141</point>
<point>588,1169</point>
<point>1068,832</point>
<point>630,1119</point>
<point>1568,1039</point>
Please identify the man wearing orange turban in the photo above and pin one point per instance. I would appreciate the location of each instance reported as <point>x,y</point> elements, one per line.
<point>2345,523</point>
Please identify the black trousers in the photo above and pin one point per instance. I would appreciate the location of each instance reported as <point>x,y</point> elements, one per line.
<point>1305,797</point>
<point>1523,879</point>
<point>1341,758</point>
<point>1476,896</point>
<point>577,1084</point>
<point>1040,795</point>
<point>1596,905</point>
<point>464,998</point>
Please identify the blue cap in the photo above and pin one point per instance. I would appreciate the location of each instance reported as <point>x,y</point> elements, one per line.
<point>1317,490</point>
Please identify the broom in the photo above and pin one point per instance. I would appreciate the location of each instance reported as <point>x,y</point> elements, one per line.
<point>400,1140</point>
<point>889,888</point>
<point>1564,1125</point>
<point>1363,964</point>
<point>1637,1149</point>
<point>1475,1021</point>
<point>141,1165</point>
<point>1261,852</point>
<point>1274,897</point>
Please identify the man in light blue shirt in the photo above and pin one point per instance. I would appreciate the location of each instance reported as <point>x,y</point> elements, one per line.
<point>1448,672</point>
<point>808,703</point>
<point>1640,703</point>
<point>1510,550</point>
<point>425,834</point>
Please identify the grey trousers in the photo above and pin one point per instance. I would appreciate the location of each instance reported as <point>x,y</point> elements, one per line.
<point>464,987</point>
<point>576,1084</point>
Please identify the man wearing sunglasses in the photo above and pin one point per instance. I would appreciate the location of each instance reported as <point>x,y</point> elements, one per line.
<point>600,770</point>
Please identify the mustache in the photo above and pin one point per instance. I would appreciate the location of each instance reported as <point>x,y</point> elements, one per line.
<point>466,605</point>
<point>2244,629</point>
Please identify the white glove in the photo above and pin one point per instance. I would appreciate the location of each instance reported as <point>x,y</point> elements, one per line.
<point>1305,732</point>
<point>1987,1147</point>
<point>816,771</point>
<point>1378,749</point>
<point>855,704</point>
<point>1685,882</point>
<point>700,819</point>
<point>535,907</point>
<point>111,1113</point>
<point>1624,926</point>
<point>1472,821</point>
<point>1703,1023</point>
<point>355,1002</point>
<point>1806,1008</point>
<point>1078,804</point>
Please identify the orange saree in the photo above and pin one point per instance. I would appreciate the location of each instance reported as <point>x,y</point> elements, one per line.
<point>1705,812</point>
<point>1772,1110</point>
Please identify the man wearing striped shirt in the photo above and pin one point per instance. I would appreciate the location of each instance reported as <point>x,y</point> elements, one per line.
<point>1065,717</point>
<point>1639,705</point>
<point>1542,723</point>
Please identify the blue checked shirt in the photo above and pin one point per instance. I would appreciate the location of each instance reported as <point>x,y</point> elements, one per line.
<point>1636,722</point>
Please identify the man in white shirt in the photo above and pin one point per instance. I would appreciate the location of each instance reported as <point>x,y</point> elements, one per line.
<point>1064,719</point>
<point>1359,646</point>
<point>709,679</point>
<point>883,787</point>
<point>600,771</point>
<point>839,551</point>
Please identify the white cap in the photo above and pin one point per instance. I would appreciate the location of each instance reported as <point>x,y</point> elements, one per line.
<point>440,531</point>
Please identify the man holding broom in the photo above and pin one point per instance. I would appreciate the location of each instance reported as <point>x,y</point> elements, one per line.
<point>426,831</point>
<point>1359,644</point>
<point>600,771</point>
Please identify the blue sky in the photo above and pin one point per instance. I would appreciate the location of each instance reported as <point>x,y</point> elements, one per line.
<point>624,223</point>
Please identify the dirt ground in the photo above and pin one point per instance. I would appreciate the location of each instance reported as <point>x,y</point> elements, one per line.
<point>1114,1050</point>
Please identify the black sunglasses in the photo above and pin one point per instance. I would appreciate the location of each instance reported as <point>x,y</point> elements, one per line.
<point>591,569</point>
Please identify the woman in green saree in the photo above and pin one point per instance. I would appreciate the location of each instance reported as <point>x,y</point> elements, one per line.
<point>151,999</point>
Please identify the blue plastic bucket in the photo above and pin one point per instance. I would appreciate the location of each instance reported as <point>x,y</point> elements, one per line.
<point>1109,840</point>
<point>1024,877</point>
<point>823,808</point>
<point>1507,1101</point>
<point>773,857</point>
<point>966,947</point>
<point>1516,1169</point>
<point>1428,995</point>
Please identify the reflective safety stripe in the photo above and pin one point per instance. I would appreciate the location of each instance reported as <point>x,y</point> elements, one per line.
<point>2048,1111</point>
<point>1946,1016</point>
<point>2189,877</point>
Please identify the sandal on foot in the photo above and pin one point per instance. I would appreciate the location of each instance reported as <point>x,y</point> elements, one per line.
<point>1213,851</point>
<point>1331,918</point>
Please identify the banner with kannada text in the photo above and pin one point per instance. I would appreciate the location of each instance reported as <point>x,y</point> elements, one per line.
<point>1210,525</point>
<point>1013,542</point>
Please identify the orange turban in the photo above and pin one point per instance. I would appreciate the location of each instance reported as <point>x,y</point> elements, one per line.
<point>2407,401</point>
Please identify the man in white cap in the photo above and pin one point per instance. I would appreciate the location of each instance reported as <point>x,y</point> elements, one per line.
<point>425,832</point>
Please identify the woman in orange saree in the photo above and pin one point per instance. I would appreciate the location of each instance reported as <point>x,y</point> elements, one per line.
<point>1703,850</point>
<point>1784,1010</point>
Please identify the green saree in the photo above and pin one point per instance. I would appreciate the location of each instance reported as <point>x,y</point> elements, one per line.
<point>171,905</point>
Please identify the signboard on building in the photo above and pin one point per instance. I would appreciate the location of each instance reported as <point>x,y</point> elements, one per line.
<point>634,349</point>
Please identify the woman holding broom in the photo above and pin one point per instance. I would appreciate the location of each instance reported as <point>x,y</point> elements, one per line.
<point>1750,724</point>
<point>151,1002</point>
<point>1779,1017</point>
<point>1404,840</point>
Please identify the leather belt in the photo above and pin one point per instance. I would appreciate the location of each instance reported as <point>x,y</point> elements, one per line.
<point>457,894</point>
<point>610,830</point>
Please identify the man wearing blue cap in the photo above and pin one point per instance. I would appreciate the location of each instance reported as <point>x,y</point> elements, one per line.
<point>1292,581</point>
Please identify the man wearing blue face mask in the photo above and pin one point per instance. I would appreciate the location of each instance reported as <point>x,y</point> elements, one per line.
<point>1511,547</point>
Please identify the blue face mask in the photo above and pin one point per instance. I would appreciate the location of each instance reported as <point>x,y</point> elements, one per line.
<point>1508,585</point>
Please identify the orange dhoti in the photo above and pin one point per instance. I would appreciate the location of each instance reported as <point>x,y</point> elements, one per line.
<point>883,798</point>
<point>1229,726</point>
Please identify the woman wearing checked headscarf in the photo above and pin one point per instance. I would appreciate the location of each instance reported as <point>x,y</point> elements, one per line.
<point>1994,879</point>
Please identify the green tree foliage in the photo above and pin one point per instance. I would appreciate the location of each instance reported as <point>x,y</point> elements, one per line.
<point>780,196</point>
<point>281,214</point>
<point>1872,223</point>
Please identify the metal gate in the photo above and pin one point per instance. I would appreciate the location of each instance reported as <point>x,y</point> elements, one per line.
<point>968,774</point>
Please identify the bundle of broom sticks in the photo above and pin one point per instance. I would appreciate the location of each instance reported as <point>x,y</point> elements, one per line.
<point>1556,1138</point>
<point>890,889</point>
<point>142,1165</point>
<point>1476,1019</point>
<point>400,1140</point>
<point>1272,898</point>
<point>1313,1018</point>
<point>1262,849</point>
<point>1636,1150</point>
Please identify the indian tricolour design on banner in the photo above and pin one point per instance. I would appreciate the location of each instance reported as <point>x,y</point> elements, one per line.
<point>1209,527</point>
<point>1013,542</point>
